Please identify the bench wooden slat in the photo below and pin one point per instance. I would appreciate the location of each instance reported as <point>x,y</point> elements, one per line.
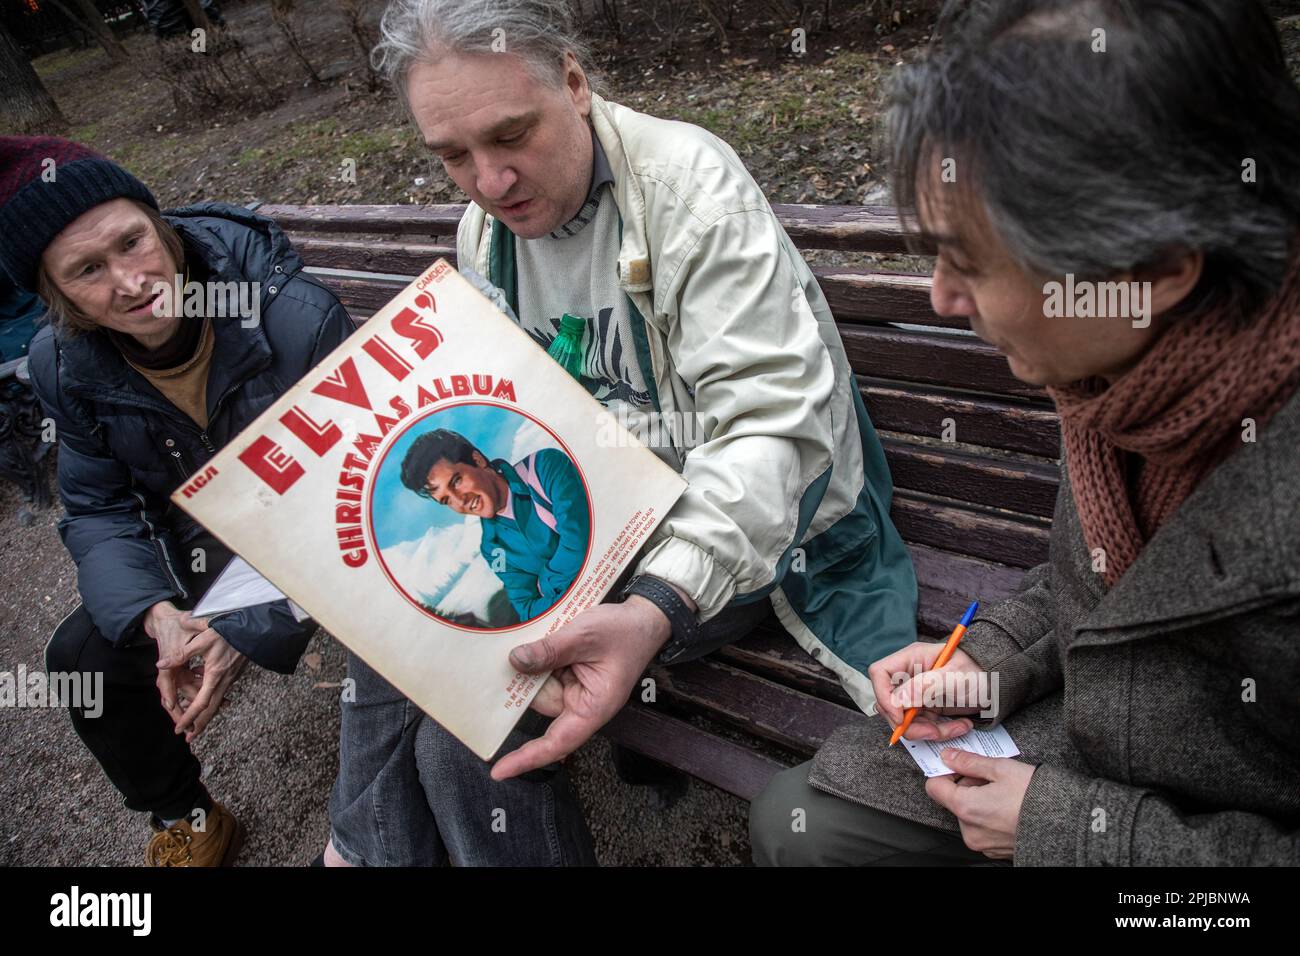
<point>978,420</point>
<point>857,228</point>
<point>773,653</point>
<point>722,763</point>
<point>400,258</point>
<point>961,574</point>
<point>1026,487</point>
<point>361,297</point>
<point>754,704</point>
<point>863,295</point>
<point>431,220</point>
<point>854,295</point>
<point>1019,542</point>
<point>933,358</point>
<point>947,583</point>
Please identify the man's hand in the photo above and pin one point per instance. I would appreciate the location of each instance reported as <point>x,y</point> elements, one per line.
<point>595,662</point>
<point>171,629</point>
<point>904,679</point>
<point>985,797</point>
<point>203,688</point>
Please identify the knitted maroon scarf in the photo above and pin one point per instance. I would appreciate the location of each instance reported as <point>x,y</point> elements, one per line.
<point>1180,411</point>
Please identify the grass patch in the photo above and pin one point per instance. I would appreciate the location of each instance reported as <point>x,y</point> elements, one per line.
<point>367,144</point>
<point>250,155</point>
<point>48,67</point>
<point>88,134</point>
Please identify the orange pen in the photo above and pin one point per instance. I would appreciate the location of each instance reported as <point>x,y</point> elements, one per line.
<point>945,655</point>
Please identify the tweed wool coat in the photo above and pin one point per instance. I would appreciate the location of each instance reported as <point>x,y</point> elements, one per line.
<point>1161,714</point>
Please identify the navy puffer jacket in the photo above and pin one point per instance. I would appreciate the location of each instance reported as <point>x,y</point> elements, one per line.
<point>123,448</point>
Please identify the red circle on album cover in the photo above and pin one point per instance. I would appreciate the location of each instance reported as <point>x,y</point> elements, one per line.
<point>493,462</point>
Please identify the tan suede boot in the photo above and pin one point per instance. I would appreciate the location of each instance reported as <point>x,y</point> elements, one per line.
<point>182,844</point>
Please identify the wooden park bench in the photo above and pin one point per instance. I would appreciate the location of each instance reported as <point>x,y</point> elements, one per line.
<point>973,452</point>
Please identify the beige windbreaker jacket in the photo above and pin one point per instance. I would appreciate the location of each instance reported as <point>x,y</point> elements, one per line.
<point>789,492</point>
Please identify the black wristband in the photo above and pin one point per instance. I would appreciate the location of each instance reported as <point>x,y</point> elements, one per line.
<point>686,627</point>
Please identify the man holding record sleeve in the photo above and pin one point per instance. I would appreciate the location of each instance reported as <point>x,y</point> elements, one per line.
<point>703,322</point>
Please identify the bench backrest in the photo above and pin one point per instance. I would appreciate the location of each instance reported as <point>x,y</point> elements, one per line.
<point>973,450</point>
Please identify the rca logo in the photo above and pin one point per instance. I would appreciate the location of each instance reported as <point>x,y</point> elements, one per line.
<point>192,488</point>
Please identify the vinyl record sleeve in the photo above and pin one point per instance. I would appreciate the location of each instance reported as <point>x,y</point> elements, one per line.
<point>319,496</point>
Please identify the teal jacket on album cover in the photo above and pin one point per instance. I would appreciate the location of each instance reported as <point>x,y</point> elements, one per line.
<point>537,544</point>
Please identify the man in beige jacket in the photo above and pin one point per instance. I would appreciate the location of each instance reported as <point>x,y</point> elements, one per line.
<point>703,324</point>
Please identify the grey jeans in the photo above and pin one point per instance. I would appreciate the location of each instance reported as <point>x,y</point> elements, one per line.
<point>835,832</point>
<point>408,793</point>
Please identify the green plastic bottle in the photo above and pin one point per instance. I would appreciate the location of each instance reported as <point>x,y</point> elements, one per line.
<point>567,347</point>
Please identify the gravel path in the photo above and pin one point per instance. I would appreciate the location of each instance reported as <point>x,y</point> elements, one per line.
<point>271,754</point>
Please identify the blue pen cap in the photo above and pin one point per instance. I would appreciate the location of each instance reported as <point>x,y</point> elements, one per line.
<point>970,613</point>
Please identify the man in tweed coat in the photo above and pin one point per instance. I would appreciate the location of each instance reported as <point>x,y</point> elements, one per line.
<point>1149,670</point>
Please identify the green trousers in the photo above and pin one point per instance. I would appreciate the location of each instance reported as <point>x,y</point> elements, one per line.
<point>834,832</point>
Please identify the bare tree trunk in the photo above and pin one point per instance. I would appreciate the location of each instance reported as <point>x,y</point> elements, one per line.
<point>354,13</point>
<point>26,106</point>
<point>107,39</point>
<point>87,16</point>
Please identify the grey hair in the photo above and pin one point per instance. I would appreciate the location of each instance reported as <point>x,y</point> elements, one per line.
<point>541,32</point>
<point>1097,163</point>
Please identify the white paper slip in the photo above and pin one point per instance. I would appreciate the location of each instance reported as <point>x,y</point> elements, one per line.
<point>987,743</point>
<point>239,586</point>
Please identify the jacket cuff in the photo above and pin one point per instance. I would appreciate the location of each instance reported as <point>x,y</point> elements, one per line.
<point>997,652</point>
<point>691,569</point>
<point>1071,819</point>
<point>267,634</point>
<point>122,625</point>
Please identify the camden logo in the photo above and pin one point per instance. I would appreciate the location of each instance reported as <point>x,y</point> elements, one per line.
<point>1098,300</point>
<point>75,909</point>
